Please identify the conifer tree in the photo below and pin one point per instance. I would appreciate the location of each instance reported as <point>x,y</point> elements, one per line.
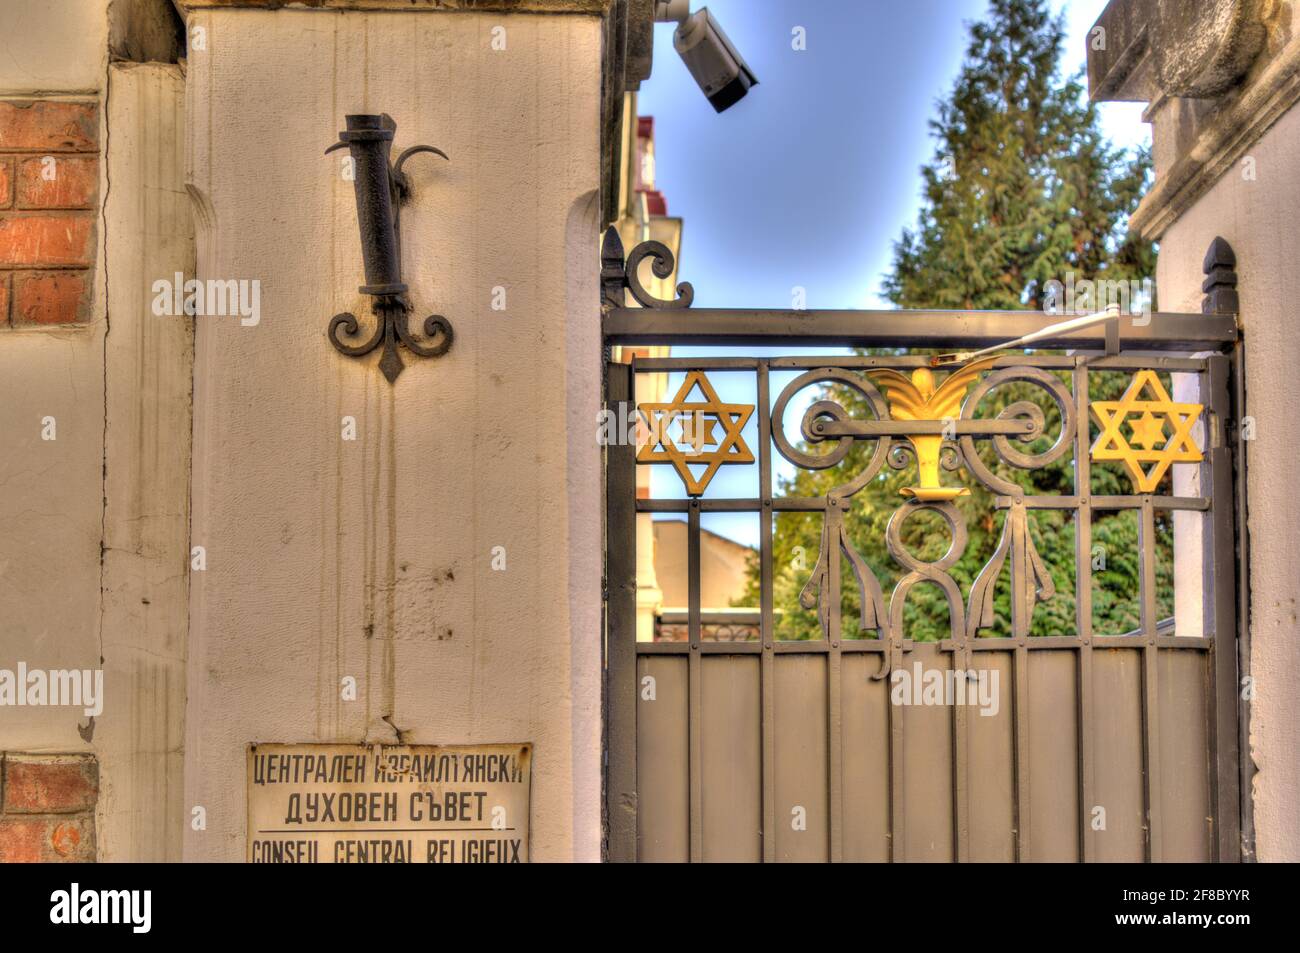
<point>1023,189</point>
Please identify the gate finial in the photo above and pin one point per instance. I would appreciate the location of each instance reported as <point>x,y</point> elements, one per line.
<point>613,275</point>
<point>1220,285</point>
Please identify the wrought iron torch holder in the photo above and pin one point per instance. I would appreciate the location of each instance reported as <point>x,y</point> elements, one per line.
<point>381,187</point>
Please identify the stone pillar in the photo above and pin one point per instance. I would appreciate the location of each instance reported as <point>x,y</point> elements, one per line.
<point>375,558</point>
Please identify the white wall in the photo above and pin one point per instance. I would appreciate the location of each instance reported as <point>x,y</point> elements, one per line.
<point>1258,217</point>
<point>51,491</point>
<point>145,583</point>
<point>372,558</point>
<point>94,524</point>
<point>51,515</point>
<point>58,46</point>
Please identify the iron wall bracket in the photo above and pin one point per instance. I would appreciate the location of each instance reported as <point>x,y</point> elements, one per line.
<point>381,188</point>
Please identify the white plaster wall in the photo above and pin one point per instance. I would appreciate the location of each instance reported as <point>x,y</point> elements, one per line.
<point>94,524</point>
<point>51,491</point>
<point>58,46</point>
<point>50,518</point>
<point>372,558</point>
<point>148,228</point>
<point>1258,218</point>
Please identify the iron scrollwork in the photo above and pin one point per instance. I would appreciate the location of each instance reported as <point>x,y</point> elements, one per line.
<point>619,274</point>
<point>874,610</point>
<point>937,572</point>
<point>1023,411</point>
<point>814,427</point>
<point>949,444</point>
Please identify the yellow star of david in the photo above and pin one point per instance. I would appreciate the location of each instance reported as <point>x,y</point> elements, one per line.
<point>1148,429</point>
<point>697,422</point>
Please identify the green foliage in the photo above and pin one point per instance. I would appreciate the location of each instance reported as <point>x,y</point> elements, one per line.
<point>1022,189</point>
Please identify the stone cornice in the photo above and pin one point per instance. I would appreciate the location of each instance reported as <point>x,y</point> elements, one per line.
<point>1236,125</point>
<point>1216,75</point>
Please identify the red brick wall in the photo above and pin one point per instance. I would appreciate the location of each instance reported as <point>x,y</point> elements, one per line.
<point>49,181</point>
<point>47,808</point>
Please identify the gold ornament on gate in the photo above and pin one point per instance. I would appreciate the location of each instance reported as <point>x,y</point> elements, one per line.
<point>918,399</point>
<point>697,442</point>
<point>1148,442</point>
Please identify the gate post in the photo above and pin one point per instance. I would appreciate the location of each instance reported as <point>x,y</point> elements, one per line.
<point>1222,562</point>
<point>620,621</point>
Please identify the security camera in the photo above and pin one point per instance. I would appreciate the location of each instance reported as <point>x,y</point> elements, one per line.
<point>722,75</point>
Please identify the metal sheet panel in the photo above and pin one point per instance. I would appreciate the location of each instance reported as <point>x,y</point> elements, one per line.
<point>801,762</point>
<point>1184,756</point>
<point>866,759</point>
<point>663,786</point>
<point>991,768</point>
<point>927,769</point>
<point>1053,810</point>
<point>1116,733</point>
<point>731,759</point>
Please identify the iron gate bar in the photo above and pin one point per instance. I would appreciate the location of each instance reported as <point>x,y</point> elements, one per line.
<point>1166,331</point>
<point>620,649</point>
<point>694,681</point>
<point>1020,741</point>
<point>1150,695</point>
<point>983,643</point>
<point>897,802</point>
<point>834,715</point>
<point>1199,503</point>
<point>1095,362</point>
<point>1083,609</point>
<point>815,504</point>
<point>767,623</point>
<point>1222,618</point>
<point>1246,766</point>
<point>904,428</point>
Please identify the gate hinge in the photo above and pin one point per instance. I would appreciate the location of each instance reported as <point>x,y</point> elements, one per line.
<point>1231,428</point>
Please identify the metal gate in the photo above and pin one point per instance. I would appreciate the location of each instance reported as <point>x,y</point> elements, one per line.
<point>1109,747</point>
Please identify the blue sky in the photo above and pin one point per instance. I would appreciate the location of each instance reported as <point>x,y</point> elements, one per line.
<point>810,178</point>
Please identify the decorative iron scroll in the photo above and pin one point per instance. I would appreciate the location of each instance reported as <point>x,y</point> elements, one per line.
<point>936,572</point>
<point>661,266</point>
<point>940,430</point>
<point>618,275</point>
<point>391,312</point>
<point>874,610</point>
<point>1031,581</point>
